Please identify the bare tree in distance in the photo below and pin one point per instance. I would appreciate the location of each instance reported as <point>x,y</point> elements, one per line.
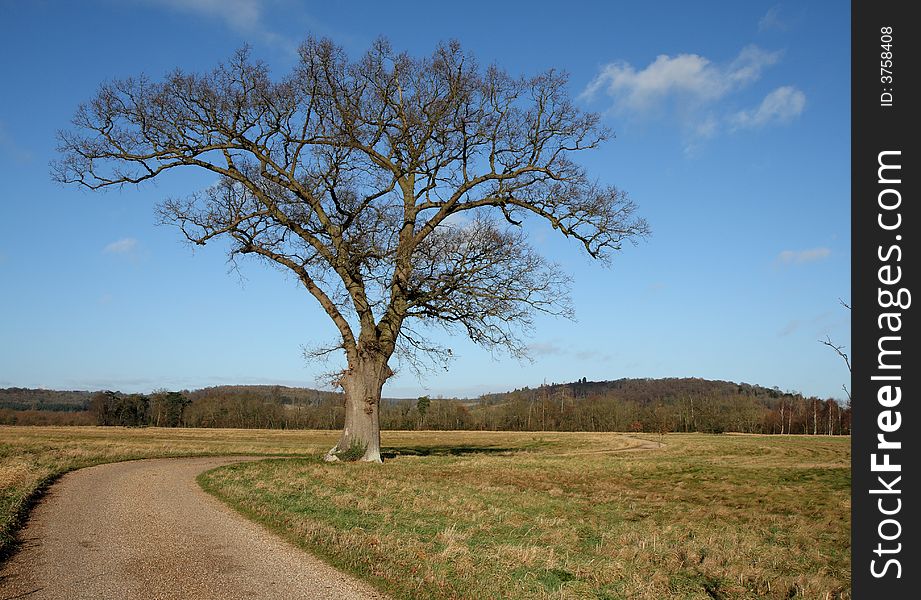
<point>839,350</point>
<point>393,188</point>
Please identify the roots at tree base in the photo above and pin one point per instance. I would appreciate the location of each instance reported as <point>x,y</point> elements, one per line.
<point>361,433</point>
<point>373,456</point>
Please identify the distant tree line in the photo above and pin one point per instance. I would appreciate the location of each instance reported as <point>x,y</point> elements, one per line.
<point>16,398</point>
<point>24,406</point>
<point>639,405</point>
<point>664,405</point>
<point>10,416</point>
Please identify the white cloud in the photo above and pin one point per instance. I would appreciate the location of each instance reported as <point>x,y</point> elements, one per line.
<point>545,349</point>
<point>707,128</point>
<point>699,131</point>
<point>780,106</point>
<point>772,20</point>
<point>551,349</point>
<point>242,16</point>
<point>122,246</point>
<point>803,256</point>
<point>747,67</point>
<point>685,77</point>
<point>593,355</point>
<point>458,219</point>
<point>696,93</point>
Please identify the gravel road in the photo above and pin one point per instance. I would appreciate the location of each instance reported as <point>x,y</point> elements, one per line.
<point>145,530</point>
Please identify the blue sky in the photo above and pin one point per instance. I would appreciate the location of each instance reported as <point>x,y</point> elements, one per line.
<point>732,124</point>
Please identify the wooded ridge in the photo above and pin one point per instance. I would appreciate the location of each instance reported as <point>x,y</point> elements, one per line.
<point>648,405</point>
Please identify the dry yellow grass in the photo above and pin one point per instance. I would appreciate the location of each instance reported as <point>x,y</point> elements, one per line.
<point>32,457</point>
<point>517,515</point>
<point>570,515</point>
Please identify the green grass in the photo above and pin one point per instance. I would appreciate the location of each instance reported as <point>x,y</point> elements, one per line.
<point>512,515</point>
<point>568,515</point>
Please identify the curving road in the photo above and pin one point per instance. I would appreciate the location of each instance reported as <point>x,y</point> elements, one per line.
<point>145,530</point>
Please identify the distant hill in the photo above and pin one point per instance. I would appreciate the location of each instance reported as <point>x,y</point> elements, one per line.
<point>647,390</point>
<point>53,400</point>
<point>662,405</point>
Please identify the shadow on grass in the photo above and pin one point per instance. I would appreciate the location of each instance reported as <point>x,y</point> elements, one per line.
<point>444,450</point>
<point>10,543</point>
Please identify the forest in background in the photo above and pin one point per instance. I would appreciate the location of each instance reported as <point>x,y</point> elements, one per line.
<point>640,405</point>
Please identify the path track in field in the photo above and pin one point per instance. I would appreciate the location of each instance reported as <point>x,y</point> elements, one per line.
<point>145,530</point>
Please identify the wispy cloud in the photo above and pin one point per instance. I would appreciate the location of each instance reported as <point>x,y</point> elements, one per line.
<point>545,349</point>
<point>246,17</point>
<point>122,246</point>
<point>708,127</point>
<point>240,15</point>
<point>780,106</point>
<point>592,355</point>
<point>788,257</point>
<point>695,92</point>
<point>549,349</point>
<point>682,78</point>
<point>773,20</point>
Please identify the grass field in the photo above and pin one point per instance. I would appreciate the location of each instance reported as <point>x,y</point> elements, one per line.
<point>519,515</point>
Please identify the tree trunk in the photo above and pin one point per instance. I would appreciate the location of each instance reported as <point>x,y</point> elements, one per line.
<point>361,436</point>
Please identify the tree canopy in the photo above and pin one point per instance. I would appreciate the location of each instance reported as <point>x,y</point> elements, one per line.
<point>393,188</point>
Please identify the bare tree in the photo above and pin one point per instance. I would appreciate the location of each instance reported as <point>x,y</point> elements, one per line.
<point>393,188</point>
<point>839,350</point>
